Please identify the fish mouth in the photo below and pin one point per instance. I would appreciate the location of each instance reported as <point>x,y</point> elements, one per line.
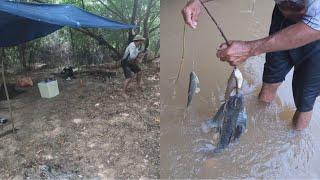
<point>234,84</point>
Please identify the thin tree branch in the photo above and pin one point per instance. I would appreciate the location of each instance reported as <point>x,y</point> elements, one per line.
<point>154,28</point>
<point>100,40</point>
<point>116,8</point>
<point>112,11</point>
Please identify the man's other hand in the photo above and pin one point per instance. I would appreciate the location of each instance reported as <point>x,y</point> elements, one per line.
<point>191,13</point>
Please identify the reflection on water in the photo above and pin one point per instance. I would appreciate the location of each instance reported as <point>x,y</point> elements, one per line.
<point>270,149</point>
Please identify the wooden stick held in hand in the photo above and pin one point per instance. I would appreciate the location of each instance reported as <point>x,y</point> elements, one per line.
<point>215,22</point>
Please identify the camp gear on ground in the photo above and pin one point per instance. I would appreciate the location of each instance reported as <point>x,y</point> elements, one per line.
<point>48,88</point>
<point>68,73</point>
<point>25,82</point>
<point>3,120</point>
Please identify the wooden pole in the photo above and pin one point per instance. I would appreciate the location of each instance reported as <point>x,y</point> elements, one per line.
<point>6,89</point>
<point>216,23</point>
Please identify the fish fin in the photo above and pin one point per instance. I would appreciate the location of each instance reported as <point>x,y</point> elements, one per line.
<point>220,112</point>
<point>189,100</point>
<point>210,124</point>
<point>205,127</point>
<point>217,151</point>
<point>206,148</point>
<point>241,124</point>
<point>242,118</point>
<point>238,131</point>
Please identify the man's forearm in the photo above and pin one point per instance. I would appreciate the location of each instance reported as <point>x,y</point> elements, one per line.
<point>291,37</point>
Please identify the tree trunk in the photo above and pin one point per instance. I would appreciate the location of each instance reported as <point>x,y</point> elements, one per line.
<point>72,55</point>
<point>82,3</point>
<point>2,56</point>
<point>145,23</point>
<point>22,49</point>
<point>101,41</point>
<point>157,48</point>
<point>133,19</point>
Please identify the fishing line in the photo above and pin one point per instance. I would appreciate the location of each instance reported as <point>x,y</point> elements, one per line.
<point>183,53</point>
<point>176,78</point>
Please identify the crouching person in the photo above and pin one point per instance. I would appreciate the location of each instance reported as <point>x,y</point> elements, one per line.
<point>130,65</point>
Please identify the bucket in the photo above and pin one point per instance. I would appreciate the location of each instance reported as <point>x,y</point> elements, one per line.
<point>48,89</point>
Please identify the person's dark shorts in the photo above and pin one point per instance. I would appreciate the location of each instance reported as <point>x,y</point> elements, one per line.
<point>129,69</point>
<point>306,63</point>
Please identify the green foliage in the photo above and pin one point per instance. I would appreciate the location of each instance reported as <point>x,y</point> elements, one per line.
<point>70,46</point>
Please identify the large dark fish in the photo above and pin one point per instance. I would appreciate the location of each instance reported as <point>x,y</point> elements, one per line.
<point>231,119</point>
<point>230,122</point>
<point>193,87</point>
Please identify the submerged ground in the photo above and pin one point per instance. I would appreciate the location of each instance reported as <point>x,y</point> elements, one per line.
<point>85,132</point>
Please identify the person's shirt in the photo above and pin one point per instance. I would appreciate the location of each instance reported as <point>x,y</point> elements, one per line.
<point>312,17</point>
<point>132,51</point>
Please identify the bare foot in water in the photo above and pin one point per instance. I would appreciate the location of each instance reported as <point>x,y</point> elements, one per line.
<point>268,92</point>
<point>301,120</point>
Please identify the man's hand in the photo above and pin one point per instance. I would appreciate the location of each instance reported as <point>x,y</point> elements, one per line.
<point>238,52</point>
<point>139,58</point>
<point>191,13</point>
<point>294,36</point>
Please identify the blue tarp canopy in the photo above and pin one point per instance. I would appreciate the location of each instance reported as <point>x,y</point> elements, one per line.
<point>22,22</point>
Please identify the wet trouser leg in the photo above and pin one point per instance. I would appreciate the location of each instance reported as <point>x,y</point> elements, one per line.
<point>306,78</point>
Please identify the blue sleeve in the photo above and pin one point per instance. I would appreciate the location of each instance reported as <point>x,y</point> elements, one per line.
<point>312,18</point>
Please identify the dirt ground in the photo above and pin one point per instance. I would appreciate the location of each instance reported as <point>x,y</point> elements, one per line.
<point>88,132</point>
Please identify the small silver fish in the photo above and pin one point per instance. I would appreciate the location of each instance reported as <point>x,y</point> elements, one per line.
<point>193,87</point>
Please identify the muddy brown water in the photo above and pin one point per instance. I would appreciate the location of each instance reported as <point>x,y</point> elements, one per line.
<point>269,149</point>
